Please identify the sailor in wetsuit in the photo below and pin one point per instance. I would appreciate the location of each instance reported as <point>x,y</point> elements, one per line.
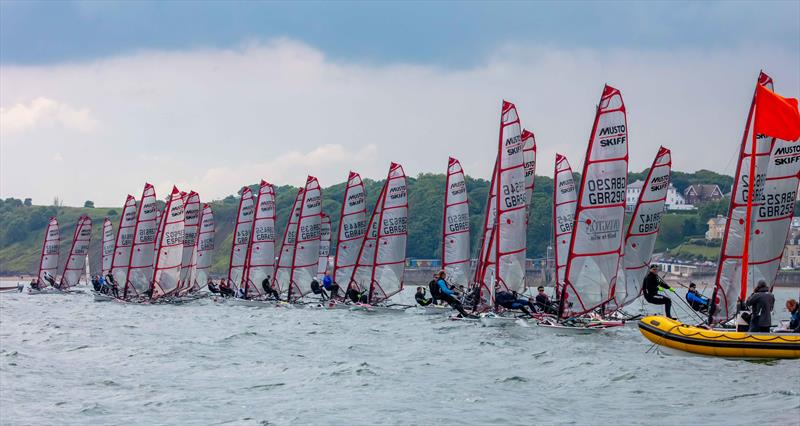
<point>698,302</point>
<point>509,300</point>
<point>650,287</point>
<point>446,294</point>
<point>317,289</point>
<point>268,290</point>
<point>420,297</point>
<point>355,296</point>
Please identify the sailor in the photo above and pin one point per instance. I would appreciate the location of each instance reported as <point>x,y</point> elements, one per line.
<point>96,284</point>
<point>473,297</point>
<point>225,288</point>
<point>446,294</point>
<point>330,285</point>
<point>794,311</point>
<point>49,278</point>
<point>650,287</point>
<point>698,302</point>
<point>211,286</point>
<point>268,290</point>
<point>420,297</point>
<point>241,293</point>
<point>356,296</point>
<point>114,287</point>
<point>543,303</point>
<point>509,300</point>
<point>761,303</point>
<point>34,283</point>
<point>317,289</point>
<point>433,286</point>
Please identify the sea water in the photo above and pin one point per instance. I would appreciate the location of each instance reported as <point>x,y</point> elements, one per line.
<point>65,359</point>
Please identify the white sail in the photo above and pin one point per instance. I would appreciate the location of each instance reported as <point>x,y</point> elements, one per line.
<point>306,253</point>
<point>386,238</point>
<point>261,257</point>
<point>565,197</point>
<point>140,265</point>
<point>76,259</point>
<point>48,261</point>
<point>283,271</point>
<point>484,272</point>
<point>352,227</point>
<point>729,286</point>
<point>157,244</point>
<point>241,238</point>
<point>600,213</point>
<point>529,155</point>
<point>455,226</point>
<point>191,227</point>
<point>205,248</point>
<point>108,246</point>
<point>122,245</point>
<point>167,268</point>
<point>324,245</point>
<point>643,229</point>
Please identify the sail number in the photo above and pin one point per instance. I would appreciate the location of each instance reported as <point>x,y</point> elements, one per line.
<point>606,191</point>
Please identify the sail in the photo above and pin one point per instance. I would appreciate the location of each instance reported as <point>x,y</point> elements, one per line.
<point>306,253</point>
<point>386,240</point>
<point>484,272</point>
<point>283,271</point>
<point>729,287</point>
<point>108,245</point>
<point>122,245</point>
<point>167,268</point>
<point>455,226</point>
<point>76,259</point>
<point>140,265</point>
<point>261,256</point>
<point>529,156</point>
<point>48,262</point>
<point>600,212</point>
<point>352,227</point>
<point>191,226</point>
<point>157,245</point>
<point>363,271</point>
<point>565,197</point>
<point>324,245</point>
<point>640,239</point>
<point>241,238</point>
<point>205,247</point>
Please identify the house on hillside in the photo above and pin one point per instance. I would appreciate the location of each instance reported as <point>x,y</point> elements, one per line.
<point>674,201</point>
<point>716,227</point>
<point>791,253</point>
<point>702,193</point>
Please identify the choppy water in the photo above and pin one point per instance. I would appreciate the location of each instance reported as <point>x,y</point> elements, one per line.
<point>69,360</point>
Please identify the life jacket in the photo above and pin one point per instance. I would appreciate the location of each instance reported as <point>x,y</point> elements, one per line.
<point>436,292</point>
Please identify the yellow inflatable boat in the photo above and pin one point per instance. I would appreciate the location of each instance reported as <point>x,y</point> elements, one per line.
<point>730,344</point>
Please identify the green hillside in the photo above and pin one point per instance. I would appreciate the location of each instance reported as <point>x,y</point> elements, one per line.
<point>22,226</point>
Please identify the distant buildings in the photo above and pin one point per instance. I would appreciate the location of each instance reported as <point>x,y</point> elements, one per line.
<point>716,227</point>
<point>674,201</point>
<point>702,193</point>
<point>791,254</point>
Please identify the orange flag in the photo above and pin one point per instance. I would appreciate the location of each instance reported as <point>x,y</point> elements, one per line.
<point>776,116</point>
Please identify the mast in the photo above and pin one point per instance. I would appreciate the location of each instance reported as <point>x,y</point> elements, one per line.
<point>75,266</point>
<point>140,265</point>
<point>205,247</point>
<point>361,278</point>
<point>640,239</point>
<point>283,271</point>
<point>191,225</point>
<point>48,261</point>
<point>108,246</point>
<point>122,244</point>
<point>324,245</point>
<point>751,171</point>
<point>306,253</point>
<point>485,266</point>
<point>167,268</point>
<point>261,251</point>
<point>455,225</point>
<point>596,245</point>
<point>352,227</point>
<point>565,196</point>
<point>241,238</point>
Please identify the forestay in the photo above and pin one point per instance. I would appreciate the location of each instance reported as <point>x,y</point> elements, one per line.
<point>76,260</point>
<point>48,261</point>
<point>283,271</point>
<point>352,227</point>
<point>205,247</point>
<point>241,238</point>
<point>167,274</point>
<point>124,241</point>
<point>261,253</point>
<point>600,212</point>
<point>324,245</point>
<point>191,226</point>
<point>729,286</point>
<point>381,261</point>
<point>108,245</point>
<point>565,197</point>
<point>455,226</point>
<point>306,253</point>
<point>140,269</point>
<point>640,239</point>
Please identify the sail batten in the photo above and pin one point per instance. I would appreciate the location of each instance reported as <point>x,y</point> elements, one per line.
<point>455,226</point>
<point>261,252</point>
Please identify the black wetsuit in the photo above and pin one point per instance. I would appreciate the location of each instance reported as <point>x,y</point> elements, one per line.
<point>317,289</point>
<point>96,285</point>
<point>761,302</point>
<point>213,288</point>
<point>510,301</point>
<point>650,287</point>
<point>355,296</point>
<point>268,290</point>
<point>420,298</point>
<point>433,287</point>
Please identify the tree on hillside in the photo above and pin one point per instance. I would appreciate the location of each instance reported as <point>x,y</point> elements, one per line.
<point>28,202</point>
<point>111,212</point>
<point>89,204</point>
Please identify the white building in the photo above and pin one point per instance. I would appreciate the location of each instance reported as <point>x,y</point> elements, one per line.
<point>674,201</point>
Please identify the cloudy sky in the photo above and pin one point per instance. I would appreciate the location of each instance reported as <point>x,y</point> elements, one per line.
<point>98,97</point>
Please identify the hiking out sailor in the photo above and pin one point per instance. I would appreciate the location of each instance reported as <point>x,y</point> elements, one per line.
<point>34,283</point>
<point>433,286</point>
<point>211,286</point>
<point>794,311</point>
<point>699,302</point>
<point>330,285</point>
<point>509,300</point>
<point>105,288</point>
<point>268,290</point>
<point>225,289</point>
<point>446,294</point>
<point>50,279</point>
<point>113,283</point>
<point>420,297</point>
<point>761,303</point>
<point>317,289</point>
<point>96,283</point>
<point>356,296</point>
<point>650,287</point>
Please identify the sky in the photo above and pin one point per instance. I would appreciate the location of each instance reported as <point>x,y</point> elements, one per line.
<point>97,98</point>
